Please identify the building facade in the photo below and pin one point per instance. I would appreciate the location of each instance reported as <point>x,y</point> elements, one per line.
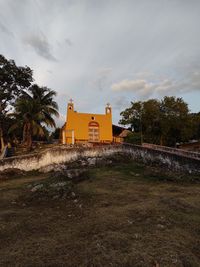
<point>86,127</point>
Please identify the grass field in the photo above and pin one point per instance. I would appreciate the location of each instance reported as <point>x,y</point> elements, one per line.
<point>125,215</point>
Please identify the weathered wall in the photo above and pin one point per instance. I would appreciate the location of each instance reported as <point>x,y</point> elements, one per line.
<point>165,159</point>
<point>56,155</point>
<point>66,155</point>
<point>181,152</point>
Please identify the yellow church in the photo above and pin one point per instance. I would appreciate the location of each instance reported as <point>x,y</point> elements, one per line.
<point>87,127</point>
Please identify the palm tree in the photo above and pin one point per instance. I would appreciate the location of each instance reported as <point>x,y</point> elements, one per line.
<point>35,109</point>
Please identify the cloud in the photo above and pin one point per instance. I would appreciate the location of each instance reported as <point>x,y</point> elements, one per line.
<point>195,80</point>
<point>120,102</point>
<point>4,29</point>
<point>141,87</point>
<point>148,48</point>
<point>102,78</point>
<point>145,88</point>
<point>68,42</point>
<point>39,43</point>
<point>104,71</point>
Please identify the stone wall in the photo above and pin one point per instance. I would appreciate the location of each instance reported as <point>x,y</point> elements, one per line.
<point>181,152</point>
<point>165,159</point>
<point>57,155</point>
<point>63,154</point>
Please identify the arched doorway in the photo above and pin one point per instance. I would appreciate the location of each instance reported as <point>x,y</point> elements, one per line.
<point>93,131</point>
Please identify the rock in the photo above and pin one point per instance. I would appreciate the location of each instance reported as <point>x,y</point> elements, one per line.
<point>91,161</point>
<point>73,194</point>
<point>160,226</point>
<point>53,168</point>
<point>70,174</point>
<point>37,187</point>
<point>59,184</point>
<point>46,169</point>
<point>74,173</point>
<point>136,236</point>
<point>83,162</point>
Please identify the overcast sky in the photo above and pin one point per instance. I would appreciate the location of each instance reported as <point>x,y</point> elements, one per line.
<point>99,51</point>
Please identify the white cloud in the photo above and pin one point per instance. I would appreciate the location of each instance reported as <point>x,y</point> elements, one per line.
<point>145,88</point>
<point>140,87</point>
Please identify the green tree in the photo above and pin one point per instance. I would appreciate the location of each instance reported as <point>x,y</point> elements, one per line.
<point>162,122</point>
<point>151,121</point>
<point>143,118</point>
<point>195,125</point>
<point>35,109</point>
<point>56,133</point>
<point>174,121</point>
<point>132,116</point>
<point>13,80</point>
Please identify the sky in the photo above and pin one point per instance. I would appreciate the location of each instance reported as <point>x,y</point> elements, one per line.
<point>106,51</point>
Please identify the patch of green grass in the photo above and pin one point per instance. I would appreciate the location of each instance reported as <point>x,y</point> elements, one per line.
<point>135,171</point>
<point>126,170</point>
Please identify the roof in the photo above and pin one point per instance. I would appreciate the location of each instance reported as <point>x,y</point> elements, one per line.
<point>124,133</point>
<point>117,130</point>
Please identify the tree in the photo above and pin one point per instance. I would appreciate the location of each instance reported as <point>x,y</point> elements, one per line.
<point>132,116</point>
<point>174,120</point>
<point>162,122</point>
<point>56,133</point>
<point>143,117</point>
<point>151,121</point>
<point>13,80</point>
<point>35,109</point>
<point>195,125</point>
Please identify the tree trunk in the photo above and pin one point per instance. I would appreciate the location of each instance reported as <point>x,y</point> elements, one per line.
<point>24,134</point>
<point>29,136</point>
<point>2,140</point>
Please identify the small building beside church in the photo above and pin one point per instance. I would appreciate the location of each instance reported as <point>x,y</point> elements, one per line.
<point>87,127</point>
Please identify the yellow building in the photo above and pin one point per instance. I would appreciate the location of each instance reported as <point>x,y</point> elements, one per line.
<point>86,127</point>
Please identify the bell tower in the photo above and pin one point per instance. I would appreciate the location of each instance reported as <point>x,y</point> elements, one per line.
<point>70,106</point>
<point>108,109</point>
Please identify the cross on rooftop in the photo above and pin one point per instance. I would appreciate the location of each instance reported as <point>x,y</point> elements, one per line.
<point>108,104</point>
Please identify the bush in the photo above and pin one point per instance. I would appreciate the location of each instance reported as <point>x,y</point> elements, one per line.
<point>133,138</point>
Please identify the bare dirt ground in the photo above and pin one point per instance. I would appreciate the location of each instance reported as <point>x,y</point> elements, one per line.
<point>121,216</point>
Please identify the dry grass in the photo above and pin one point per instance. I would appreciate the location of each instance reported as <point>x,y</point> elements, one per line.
<point>126,215</point>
